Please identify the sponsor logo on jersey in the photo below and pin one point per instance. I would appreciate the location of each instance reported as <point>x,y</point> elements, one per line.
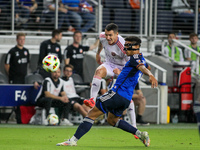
<point>81,50</point>
<point>17,53</point>
<point>57,49</point>
<point>22,61</point>
<point>138,61</point>
<point>113,54</point>
<point>49,46</point>
<point>25,53</point>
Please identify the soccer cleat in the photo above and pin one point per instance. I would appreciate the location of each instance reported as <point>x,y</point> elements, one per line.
<point>136,137</point>
<point>145,138</point>
<point>67,143</point>
<point>89,102</point>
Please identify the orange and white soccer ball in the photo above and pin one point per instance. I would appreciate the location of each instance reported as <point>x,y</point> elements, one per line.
<point>51,63</point>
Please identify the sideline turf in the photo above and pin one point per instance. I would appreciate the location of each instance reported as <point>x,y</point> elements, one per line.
<point>163,137</point>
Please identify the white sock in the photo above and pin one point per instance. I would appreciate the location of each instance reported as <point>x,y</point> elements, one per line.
<point>131,113</point>
<point>74,139</point>
<point>96,83</point>
<point>138,133</point>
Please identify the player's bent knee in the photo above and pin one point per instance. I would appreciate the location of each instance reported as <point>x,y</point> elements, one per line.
<point>112,122</point>
<point>101,72</point>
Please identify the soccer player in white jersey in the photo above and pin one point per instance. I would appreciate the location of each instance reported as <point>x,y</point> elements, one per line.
<point>115,57</point>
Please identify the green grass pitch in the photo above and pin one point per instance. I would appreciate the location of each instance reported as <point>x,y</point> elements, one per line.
<point>163,137</point>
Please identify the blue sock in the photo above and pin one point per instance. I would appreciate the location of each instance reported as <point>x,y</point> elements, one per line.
<point>125,126</point>
<point>84,127</point>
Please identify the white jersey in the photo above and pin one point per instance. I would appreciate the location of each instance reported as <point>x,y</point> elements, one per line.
<point>50,87</point>
<point>115,53</point>
<point>69,88</point>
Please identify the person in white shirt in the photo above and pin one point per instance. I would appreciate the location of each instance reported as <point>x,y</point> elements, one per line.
<point>69,88</point>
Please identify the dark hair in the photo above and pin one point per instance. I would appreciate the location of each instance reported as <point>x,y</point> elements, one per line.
<point>171,33</point>
<point>113,27</point>
<point>77,32</point>
<point>134,40</point>
<point>56,32</point>
<point>193,34</point>
<point>69,65</point>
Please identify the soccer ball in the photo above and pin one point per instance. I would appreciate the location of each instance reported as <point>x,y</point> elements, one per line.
<point>53,119</point>
<point>51,63</point>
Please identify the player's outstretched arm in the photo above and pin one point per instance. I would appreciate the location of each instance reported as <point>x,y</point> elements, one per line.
<point>152,79</point>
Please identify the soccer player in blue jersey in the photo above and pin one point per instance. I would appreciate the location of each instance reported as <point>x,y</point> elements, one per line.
<point>116,100</point>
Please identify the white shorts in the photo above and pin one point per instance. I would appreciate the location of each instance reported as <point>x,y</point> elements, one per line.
<point>109,68</point>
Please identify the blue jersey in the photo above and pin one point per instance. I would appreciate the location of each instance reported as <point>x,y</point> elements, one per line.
<point>129,77</point>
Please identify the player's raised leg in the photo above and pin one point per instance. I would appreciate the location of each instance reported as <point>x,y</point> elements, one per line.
<point>100,73</point>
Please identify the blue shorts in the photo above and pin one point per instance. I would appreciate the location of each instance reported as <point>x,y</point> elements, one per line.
<point>112,102</point>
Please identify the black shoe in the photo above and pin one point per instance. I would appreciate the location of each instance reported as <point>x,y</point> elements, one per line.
<point>141,122</point>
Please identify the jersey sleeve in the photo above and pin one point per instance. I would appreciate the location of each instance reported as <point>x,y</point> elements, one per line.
<point>43,53</point>
<point>8,57</point>
<point>67,53</point>
<point>28,57</point>
<point>60,55</point>
<point>136,60</point>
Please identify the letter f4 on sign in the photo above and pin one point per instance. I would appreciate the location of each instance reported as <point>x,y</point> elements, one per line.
<point>21,95</point>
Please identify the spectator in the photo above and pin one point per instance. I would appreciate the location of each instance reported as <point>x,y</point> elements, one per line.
<point>73,54</point>
<point>24,9</point>
<point>51,94</point>
<point>178,54</point>
<point>63,14</point>
<point>82,17</point>
<point>17,60</point>
<point>190,56</point>
<point>193,44</point>
<point>69,87</point>
<point>184,11</point>
<point>50,47</point>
